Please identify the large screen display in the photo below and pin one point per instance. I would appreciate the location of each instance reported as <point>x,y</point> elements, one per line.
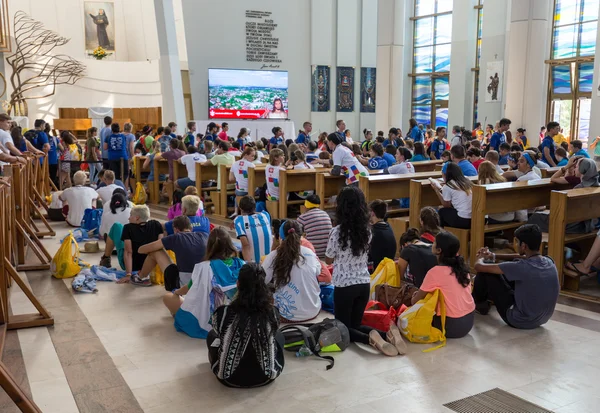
<point>247,94</point>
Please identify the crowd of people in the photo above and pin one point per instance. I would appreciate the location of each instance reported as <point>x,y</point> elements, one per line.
<point>300,255</point>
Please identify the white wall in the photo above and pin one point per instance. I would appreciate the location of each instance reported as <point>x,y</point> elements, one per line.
<point>131,79</point>
<point>309,34</point>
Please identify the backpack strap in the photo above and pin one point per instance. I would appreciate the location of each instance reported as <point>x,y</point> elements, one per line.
<point>310,341</point>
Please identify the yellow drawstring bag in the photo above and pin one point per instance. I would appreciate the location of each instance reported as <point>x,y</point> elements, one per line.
<point>386,273</point>
<point>157,276</point>
<point>140,195</point>
<point>415,322</point>
<point>65,262</point>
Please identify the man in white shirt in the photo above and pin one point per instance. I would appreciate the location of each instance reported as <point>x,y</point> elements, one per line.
<point>190,160</point>
<point>7,141</point>
<point>105,193</point>
<point>457,139</point>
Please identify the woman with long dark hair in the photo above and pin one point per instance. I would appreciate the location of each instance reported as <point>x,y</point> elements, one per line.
<point>118,210</point>
<point>244,348</point>
<point>451,276</point>
<point>348,250</point>
<point>456,197</point>
<point>293,270</point>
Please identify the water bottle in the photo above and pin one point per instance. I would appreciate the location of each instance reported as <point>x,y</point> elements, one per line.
<point>303,351</point>
<point>329,337</point>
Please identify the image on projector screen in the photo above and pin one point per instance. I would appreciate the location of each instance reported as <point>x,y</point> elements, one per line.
<point>247,94</point>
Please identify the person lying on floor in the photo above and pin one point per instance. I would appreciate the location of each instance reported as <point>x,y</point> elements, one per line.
<point>127,239</point>
<point>451,276</point>
<point>212,283</point>
<point>525,288</point>
<point>190,205</point>
<point>189,248</point>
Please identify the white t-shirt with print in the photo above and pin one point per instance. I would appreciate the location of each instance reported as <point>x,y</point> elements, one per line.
<point>347,269</point>
<point>461,201</point>
<point>298,300</point>
<point>5,137</point>
<point>240,171</point>
<point>190,162</point>
<point>351,167</point>
<point>272,177</point>
<point>529,176</point>
<point>106,192</point>
<point>79,198</point>
<point>402,168</point>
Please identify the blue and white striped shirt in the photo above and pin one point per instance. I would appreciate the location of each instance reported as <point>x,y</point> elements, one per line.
<point>257,228</point>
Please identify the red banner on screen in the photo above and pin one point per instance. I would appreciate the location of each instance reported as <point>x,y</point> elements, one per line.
<point>236,114</point>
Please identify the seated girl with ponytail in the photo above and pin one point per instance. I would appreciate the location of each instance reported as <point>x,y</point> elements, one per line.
<point>451,276</point>
<point>294,270</point>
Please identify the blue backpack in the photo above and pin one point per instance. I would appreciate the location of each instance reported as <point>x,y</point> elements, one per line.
<point>91,221</point>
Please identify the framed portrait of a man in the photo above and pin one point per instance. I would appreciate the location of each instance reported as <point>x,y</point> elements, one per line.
<point>99,18</point>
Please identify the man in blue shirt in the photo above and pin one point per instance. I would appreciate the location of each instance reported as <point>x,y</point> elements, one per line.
<point>41,141</point>
<point>504,152</point>
<point>211,132</point>
<point>116,147</point>
<point>105,132</point>
<point>390,155</point>
<point>341,130</point>
<point>304,136</point>
<point>577,149</point>
<point>457,153</point>
<point>438,146</point>
<point>498,136</point>
<point>253,230</point>
<point>173,127</point>
<point>165,140</point>
<point>415,133</point>
<point>190,205</point>
<point>547,145</point>
<point>190,137</point>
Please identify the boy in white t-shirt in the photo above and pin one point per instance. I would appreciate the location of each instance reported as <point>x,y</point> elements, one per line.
<point>190,160</point>
<point>276,159</point>
<point>78,199</point>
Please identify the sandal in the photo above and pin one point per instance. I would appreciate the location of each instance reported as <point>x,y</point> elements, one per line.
<point>376,341</point>
<point>395,338</point>
<point>571,267</point>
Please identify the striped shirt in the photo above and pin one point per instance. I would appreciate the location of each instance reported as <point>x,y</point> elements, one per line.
<point>317,226</point>
<point>257,229</point>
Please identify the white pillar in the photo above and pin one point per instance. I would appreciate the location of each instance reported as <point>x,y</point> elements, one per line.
<point>392,67</point>
<point>493,45</point>
<point>368,57</point>
<point>595,120</point>
<point>173,108</point>
<point>526,75</point>
<point>462,60</point>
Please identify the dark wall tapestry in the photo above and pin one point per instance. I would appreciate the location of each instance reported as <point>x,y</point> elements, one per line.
<point>368,85</point>
<point>321,84</point>
<point>345,89</point>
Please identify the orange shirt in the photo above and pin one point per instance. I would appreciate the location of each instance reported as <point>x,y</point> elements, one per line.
<point>458,299</point>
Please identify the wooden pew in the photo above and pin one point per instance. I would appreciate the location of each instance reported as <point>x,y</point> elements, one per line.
<point>329,185</point>
<point>387,187</point>
<point>567,207</point>
<point>505,197</point>
<point>547,173</point>
<point>161,167</point>
<point>427,166</point>
<point>296,181</point>
<point>207,173</point>
<point>138,162</point>
<point>221,205</point>
<point>256,177</point>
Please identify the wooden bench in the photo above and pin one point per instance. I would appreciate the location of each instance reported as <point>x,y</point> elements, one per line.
<point>161,167</point>
<point>567,207</point>
<point>329,185</point>
<point>138,162</point>
<point>505,197</point>
<point>547,173</point>
<point>296,181</point>
<point>207,173</point>
<point>428,166</point>
<point>220,199</point>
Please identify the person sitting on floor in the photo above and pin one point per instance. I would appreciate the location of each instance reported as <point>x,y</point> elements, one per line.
<point>416,257</point>
<point>117,210</point>
<point>178,195</point>
<point>105,192</point>
<point>456,197</point>
<point>430,224</point>
<point>451,276</point>
<point>78,198</point>
<point>190,205</point>
<point>316,224</point>
<point>193,303</point>
<point>383,241</point>
<point>189,248</point>
<point>253,229</point>
<point>293,270</point>
<point>242,330</point>
<point>127,239</point>
<point>525,288</point>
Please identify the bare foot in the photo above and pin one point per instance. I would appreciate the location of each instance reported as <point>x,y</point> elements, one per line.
<point>124,280</point>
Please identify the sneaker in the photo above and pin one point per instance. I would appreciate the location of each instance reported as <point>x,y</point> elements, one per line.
<point>105,262</point>
<point>140,282</point>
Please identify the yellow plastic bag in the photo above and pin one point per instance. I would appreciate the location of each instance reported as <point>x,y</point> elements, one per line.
<point>140,196</point>
<point>385,273</point>
<point>415,322</point>
<point>65,262</point>
<point>157,277</point>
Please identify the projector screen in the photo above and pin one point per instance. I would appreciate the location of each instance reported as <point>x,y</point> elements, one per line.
<point>247,94</point>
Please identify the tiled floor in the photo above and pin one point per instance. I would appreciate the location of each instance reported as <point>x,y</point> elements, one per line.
<point>117,351</point>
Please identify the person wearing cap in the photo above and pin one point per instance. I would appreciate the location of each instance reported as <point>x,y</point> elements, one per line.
<point>211,132</point>
<point>253,229</point>
<point>316,224</point>
<point>525,165</point>
<point>344,161</point>
<point>190,205</point>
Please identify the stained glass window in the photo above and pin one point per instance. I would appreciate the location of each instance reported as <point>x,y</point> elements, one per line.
<point>431,59</point>
<point>572,66</point>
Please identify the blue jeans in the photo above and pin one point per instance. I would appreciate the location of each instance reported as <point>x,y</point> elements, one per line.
<point>93,172</point>
<point>183,183</point>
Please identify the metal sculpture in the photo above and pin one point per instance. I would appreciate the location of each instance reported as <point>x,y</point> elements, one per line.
<point>34,66</point>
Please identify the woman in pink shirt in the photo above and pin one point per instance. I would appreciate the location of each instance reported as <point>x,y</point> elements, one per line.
<point>451,276</point>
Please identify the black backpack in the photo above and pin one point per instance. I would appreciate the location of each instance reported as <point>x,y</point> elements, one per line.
<point>328,335</point>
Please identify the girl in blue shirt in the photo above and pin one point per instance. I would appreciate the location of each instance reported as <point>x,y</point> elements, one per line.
<point>419,155</point>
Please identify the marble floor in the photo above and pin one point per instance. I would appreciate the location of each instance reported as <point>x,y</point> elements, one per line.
<point>117,351</point>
